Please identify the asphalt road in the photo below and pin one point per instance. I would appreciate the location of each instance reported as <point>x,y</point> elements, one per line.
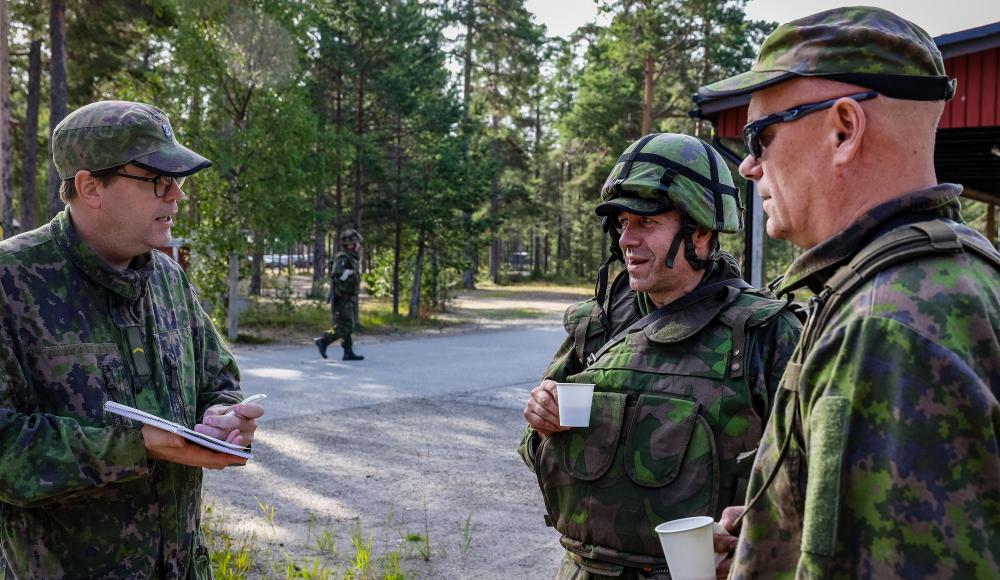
<point>298,382</point>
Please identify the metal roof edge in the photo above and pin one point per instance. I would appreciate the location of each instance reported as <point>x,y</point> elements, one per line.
<point>709,105</point>
<point>969,41</point>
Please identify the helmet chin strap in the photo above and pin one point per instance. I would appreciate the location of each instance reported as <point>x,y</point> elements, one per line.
<point>686,234</point>
<point>615,254</point>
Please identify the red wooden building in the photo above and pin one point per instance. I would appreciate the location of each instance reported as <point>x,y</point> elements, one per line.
<point>968,139</point>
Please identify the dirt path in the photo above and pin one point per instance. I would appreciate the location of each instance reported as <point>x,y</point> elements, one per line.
<point>433,483</point>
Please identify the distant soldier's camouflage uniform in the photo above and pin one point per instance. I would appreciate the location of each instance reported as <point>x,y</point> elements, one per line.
<point>345,285</point>
<point>78,497</point>
<point>679,406</point>
<point>883,444</point>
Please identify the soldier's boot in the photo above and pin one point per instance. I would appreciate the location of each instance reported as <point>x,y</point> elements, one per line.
<point>349,354</point>
<point>321,346</point>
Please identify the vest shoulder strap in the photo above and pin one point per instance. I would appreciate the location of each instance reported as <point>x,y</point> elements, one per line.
<point>903,244</point>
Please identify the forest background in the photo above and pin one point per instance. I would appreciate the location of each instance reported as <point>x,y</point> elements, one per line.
<point>463,141</point>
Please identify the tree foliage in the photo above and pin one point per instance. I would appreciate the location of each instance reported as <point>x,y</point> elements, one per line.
<point>455,133</point>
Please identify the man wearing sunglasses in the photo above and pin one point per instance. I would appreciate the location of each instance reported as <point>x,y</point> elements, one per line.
<point>90,312</point>
<point>881,459</point>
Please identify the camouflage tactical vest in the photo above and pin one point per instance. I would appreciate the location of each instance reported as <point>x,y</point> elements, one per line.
<point>672,430</point>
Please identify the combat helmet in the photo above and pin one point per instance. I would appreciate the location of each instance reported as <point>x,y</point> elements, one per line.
<point>350,236</point>
<point>666,171</point>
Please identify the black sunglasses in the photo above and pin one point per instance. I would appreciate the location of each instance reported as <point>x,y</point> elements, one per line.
<point>167,182</point>
<point>752,131</point>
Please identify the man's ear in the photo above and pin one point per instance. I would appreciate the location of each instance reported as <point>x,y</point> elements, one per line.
<point>701,237</point>
<point>87,189</point>
<point>847,131</point>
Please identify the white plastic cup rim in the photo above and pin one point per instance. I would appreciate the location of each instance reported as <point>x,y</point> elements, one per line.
<point>684,525</point>
<point>575,400</point>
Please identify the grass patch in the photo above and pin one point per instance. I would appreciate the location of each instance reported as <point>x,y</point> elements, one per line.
<point>237,556</point>
<point>268,319</point>
<point>521,313</point>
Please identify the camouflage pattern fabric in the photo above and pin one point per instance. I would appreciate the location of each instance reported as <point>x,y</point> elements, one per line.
<point>585,328</point>
<point>574,567</point>
<point>343,293</point>
<point>643,192</point>
<point>78,497</point>
<point>675,405</point>
<point>852,41</point>
<point>892,466</point>
<point>105,134</point>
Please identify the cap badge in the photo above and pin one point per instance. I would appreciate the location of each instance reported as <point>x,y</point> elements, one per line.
<point>167,132</point>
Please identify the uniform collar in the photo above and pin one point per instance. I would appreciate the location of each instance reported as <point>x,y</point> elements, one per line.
<point>689,321</point>
<point>129,284</point>
<point>814,268</point>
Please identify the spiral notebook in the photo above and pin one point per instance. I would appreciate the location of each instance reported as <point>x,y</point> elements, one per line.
<point>189,434</point>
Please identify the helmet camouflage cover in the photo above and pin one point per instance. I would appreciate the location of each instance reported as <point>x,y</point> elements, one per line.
<point>666,171</point>
<point>350,236</point>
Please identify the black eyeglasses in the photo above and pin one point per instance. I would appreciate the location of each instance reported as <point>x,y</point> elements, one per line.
<point>158,181</point>
<point>752,131</point>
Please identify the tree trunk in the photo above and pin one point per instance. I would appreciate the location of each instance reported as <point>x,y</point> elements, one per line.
<point>359,132</point>
<point>469,273</point>
<point>647,94</point>
<point>256,272</point>
<point>560,230</point>
<point>6,164</point>
<point>397,233</point>
<point>232,315</point>
<point>418,270</point>
<point>57,90</point>
<point>495,246</point>
<point>338,169</point>
<point>29,176</point>
<point>319,240</point>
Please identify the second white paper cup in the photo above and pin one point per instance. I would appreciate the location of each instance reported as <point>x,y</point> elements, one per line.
<point>687,545</point>
<point>575,400</point>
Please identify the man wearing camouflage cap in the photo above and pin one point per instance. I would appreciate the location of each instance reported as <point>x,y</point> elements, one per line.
<point>881,459</point>
<point>685,356</point>
<point>91,313</point>
<point>345,285</point>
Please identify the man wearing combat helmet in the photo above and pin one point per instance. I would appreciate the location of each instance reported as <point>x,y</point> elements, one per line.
<point>685,358</point>
<point>345,284</point>
<point>881,458</point>
<point>91,312</point>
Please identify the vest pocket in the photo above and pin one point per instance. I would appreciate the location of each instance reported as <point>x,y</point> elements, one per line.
<point>568,461</point>
<point>586,453</point>
<point>658,439</point>
<point>605,490</point>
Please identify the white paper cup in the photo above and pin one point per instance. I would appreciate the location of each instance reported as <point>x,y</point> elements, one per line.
<point>575,400</point>
<point>687,544</point>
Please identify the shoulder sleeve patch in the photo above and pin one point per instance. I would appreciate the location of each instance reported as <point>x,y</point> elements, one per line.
<point>827,439</point>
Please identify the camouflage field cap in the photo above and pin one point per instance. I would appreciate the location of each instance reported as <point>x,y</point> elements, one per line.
<point>666,171</point>
<point>864,46</point>
<point>110,133</point>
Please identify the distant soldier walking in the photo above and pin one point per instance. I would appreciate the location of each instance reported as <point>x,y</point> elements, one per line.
<point>345,283</point>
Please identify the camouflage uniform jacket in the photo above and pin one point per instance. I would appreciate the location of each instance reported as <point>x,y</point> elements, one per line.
<point>678,409</point>
<point>345,288</point>
<point>78,497</point>
<point>892,466</point>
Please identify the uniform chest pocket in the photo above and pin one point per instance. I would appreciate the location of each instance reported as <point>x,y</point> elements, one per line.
<point>75,380</point>
<point>177,353</point>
